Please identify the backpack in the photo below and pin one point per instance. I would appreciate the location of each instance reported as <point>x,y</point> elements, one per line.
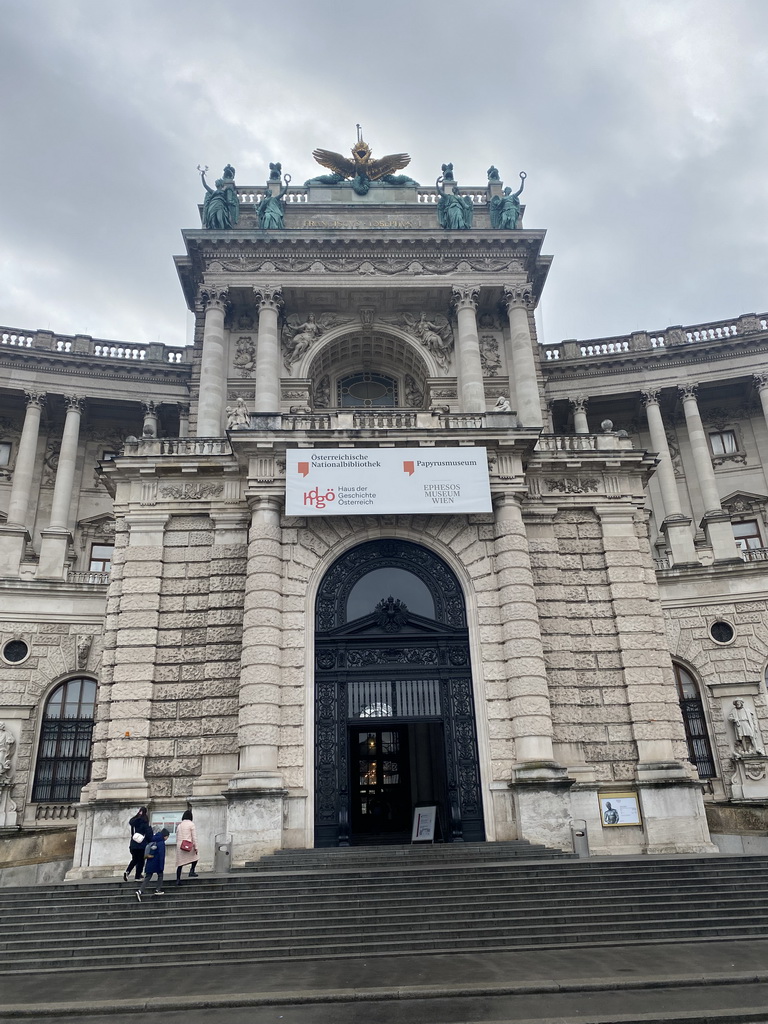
<point>150,850</point>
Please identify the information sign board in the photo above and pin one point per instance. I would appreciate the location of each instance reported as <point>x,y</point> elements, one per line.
<point>618,809</point>
<point>424,820</point>
<point>369,481</point>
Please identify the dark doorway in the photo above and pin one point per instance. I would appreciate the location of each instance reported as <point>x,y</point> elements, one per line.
<point>394,711</point>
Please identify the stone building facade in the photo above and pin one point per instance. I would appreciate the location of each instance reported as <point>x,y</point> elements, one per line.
<point>171,636</point>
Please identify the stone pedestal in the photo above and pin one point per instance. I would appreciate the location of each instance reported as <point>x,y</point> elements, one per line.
<point>750,777</point>
<point>13,540</point>
<point>8,815</point>
<point>542,803</point>
<point>255,819</point>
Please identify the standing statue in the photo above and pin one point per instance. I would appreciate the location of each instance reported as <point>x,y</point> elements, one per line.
<point>221,207</point>
<point>745,727</point>
<point>505,210</point>
<point>454,211</point>
<point>7,743</point>
<point>271,209</point>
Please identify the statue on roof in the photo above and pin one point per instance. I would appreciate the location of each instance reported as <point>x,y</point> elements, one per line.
<point>454,211</point>
<point>505,209</point>
<point>271,209</point>
<point>221,207</point>
<point>362,168</point>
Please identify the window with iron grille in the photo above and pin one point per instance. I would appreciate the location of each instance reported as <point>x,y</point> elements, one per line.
<point>64,754</point>
<point>694,719</point>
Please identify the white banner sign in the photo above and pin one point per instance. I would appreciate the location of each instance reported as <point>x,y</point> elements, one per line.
<point>367,481</point>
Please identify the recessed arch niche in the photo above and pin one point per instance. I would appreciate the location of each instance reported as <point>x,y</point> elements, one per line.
<point>375,352</point>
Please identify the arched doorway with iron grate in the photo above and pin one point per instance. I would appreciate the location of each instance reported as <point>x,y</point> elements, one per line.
<point>394,707</point>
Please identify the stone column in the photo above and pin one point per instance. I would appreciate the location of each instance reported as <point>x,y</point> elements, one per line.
<point>150,419</point>
<point>183,419</point>
<point>676,526</point>
<point>716,522</point>
<point>255,794</point>
<point>523,377</point>
<point>579,407</point>
<point>761,383</point>
<point>14,534</point>
<point>472,391</point>
<point>213,375</point>
<point>535,770</point>
<point>56,537</point>
<point>267,372</point>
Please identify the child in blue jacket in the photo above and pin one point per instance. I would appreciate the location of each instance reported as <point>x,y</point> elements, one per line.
<point>154,863</point>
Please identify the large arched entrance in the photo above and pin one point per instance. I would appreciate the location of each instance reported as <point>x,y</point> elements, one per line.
<point>394,710</point>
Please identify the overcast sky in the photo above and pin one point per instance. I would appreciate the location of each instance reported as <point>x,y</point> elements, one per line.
<point>642,125</point>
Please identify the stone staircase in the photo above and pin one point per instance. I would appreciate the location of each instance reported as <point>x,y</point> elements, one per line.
<point>401,900</point>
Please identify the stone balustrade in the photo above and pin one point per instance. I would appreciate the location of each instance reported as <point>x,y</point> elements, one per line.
<point>91,578</point>
<point>754,554</point>
<point>668,338</point>
<point>153,446</point>
<point>253,194</point>
<point>582,442</point>
<point>84,345</point>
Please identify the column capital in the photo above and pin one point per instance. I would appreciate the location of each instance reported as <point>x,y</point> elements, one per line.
<point>269,298</point>
<point>74,403</point>
<point>465,297</point>
<point>36,399</point>
<point>151,408</point>
<point>517,296</point>
<point>213,297</point>
<point>579,404</point>
<point>650,396</point>
<point>688,391</point>
<point>760,380</point>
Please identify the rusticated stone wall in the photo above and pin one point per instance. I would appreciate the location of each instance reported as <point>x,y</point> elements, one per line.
<point>172,659</point>
<point>609,673</point>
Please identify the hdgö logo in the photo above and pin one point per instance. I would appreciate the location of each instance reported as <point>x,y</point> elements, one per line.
<point>317,499</point>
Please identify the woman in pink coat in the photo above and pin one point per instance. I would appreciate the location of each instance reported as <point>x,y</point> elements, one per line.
<point>186,846</point>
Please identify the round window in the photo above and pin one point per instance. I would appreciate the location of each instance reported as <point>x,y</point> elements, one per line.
<point>722,632</point>
<point>15,651</point>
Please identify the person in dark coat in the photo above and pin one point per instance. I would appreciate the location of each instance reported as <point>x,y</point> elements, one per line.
<point>139,826</point>
<point>154,864</point>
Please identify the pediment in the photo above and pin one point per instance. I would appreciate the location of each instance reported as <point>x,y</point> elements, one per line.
<point>740,502</point>
<point>412,626</point>
<point>102,525</point>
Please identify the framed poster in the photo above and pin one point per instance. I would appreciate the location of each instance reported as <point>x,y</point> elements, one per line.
<point>424,821</point>
<point>618,809</point>
<point>166,819</point>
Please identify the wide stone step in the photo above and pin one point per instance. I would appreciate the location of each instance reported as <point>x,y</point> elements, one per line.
<point>201,951</point>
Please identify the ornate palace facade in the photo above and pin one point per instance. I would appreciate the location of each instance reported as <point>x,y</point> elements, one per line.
<point>171,636</point>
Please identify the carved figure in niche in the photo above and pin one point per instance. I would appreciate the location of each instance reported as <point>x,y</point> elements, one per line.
<point>221,208</point>
<point>502,404</point>
<point>435,334</point>
<point>322,395</point>
<point>454,211</point>
<point>505,210</point>
<point>245,354</point>
<point>298,336</point>
<point>490,358</point>
<point>7,743</point>
<point>271,209</point>
<point>414,396</point>
<point>745,727</point>
<point>238,415</point>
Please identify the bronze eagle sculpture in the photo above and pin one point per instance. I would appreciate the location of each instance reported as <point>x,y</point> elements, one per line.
<point>362,168</point>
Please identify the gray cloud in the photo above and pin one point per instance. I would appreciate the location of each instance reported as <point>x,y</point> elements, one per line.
<point>640,125</point>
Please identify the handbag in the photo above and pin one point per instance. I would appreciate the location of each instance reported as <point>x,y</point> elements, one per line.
<point>185,845</point>
<point>138,837</point>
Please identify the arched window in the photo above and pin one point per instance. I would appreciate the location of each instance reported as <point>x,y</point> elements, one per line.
<point>64,754</point>
<point>699,747</point>
<point>367,391</point>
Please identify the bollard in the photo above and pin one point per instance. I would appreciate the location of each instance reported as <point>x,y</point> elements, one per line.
<point>579,837</point>
<point>222,854</point>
